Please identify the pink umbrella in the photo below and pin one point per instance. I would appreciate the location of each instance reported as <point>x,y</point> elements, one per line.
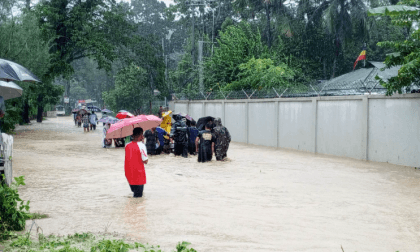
<point>125,127</point>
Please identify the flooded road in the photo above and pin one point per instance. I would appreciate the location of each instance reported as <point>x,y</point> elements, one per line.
<point>264,199</point>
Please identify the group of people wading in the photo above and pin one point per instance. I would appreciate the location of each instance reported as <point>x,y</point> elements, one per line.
<point>184,138</point>
<point>215,138</point>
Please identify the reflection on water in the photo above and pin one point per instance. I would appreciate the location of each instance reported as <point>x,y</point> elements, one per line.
<point>263,200</point>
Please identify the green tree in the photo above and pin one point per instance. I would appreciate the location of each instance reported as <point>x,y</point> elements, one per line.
<point>77,29</point>
<point>262,74</point>
<point>131,90</point>
<point>22,42</point>
<point>237,45</point>
<point>250,9</point>
<point>407,52</point>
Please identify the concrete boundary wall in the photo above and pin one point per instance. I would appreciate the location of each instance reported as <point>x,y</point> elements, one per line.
<point>371,127</point>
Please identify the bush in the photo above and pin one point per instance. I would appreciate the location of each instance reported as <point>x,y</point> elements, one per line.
<point>12,215</point>
<point>10,119</point>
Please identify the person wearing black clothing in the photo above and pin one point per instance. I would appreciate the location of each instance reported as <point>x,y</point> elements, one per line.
<point>160,112</point>
<point>179,133</point>
<point>119,142</point>
<point>192,135</point>
<point>205,144</point>
<point>151,136</point>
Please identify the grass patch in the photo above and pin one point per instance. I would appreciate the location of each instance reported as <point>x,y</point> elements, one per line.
<point>35,216</point>
<point>80,243</point>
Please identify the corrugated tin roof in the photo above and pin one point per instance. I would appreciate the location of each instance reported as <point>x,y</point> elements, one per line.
<point>359,81</point>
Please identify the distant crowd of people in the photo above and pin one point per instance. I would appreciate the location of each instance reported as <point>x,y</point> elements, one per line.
<point>89,120</point>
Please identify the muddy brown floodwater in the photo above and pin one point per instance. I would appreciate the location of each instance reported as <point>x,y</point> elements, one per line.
<point>264,199</point>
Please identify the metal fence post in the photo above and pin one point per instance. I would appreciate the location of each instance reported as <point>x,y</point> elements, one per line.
<point>365,127</point>
<point>277,104</point>
<point>247,121</point>
<point>315,121</point>
<point>223,113</point>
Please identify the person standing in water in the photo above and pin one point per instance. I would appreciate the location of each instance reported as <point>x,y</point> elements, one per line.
<point>151,138</point>
<point>93,119</point>
<point>86,122</point>
<point>179,134</point>
<point>205,144</point>
<point>135,159</point>
<point>222,140</point>
<point>192,135</point>
<point>106,143</point>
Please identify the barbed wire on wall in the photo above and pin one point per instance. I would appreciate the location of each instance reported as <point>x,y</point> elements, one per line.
<point>312,90</point>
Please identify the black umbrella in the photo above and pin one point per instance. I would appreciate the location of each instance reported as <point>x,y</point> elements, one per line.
<point>10,90</point>
<point>94,108</point>
<point>186,116</point>
<point>11,71</point>
<point>201,123</point>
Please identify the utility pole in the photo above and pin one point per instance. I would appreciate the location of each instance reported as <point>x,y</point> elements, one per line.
<point>212,36</point>
<point>200,62</point>
<point>163,47</point>
<point>194,3</point>
<point>193,37</point>
<point>364,48</point>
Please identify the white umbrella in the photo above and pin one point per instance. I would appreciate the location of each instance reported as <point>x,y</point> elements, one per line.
<point>10,90</point>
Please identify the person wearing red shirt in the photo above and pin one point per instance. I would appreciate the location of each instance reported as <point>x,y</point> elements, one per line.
<point>135,158</point>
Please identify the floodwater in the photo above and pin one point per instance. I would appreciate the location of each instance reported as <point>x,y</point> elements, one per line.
<point>264,199</point>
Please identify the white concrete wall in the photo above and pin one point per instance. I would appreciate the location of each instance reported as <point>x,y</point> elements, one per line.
<point>394,131</point>
<point>262,125</point>
<point>52,113</point>
<point>339,129</point>
<point>295,126</point>
<point>236,121</point>
<point>196,110</point>
<point>213,109</point>
<point>374,127</point>
<point>181,107</point>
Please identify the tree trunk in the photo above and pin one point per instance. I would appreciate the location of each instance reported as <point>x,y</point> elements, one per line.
<point>334,65</point>
<point>339,37</point>
<point>150,111</point>
<point>40,109</point>
<point>152,92</point>
<point>25,114</point>
<point>267,13</point>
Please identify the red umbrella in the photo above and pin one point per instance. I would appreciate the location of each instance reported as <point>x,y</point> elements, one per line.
<point>125,127</point>
<point>122,115</point>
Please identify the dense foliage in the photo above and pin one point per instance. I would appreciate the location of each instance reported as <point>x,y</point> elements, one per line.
<point>316,40</point>
<point>131,89</point>
<point>406,51</point>
<point>12,214</point>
